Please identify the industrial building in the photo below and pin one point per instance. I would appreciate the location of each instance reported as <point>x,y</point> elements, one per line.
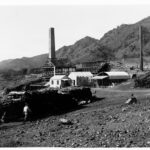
<point>92,66</point>
<point>73,79</point>
<point>79,77</point>
<point>110,78</point>
<point>55,71</point>
<point>59,81</point>
<point>54,66</point>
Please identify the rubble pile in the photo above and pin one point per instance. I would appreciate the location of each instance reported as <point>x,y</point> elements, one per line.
<point>44,101</point>
<point>49,101</point>
<point>78,93</point>
<point>143,81</point>
<point>13,109</point>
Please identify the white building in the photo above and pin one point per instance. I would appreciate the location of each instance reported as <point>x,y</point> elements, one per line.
<point>59,81</point>
<point>75,75</point>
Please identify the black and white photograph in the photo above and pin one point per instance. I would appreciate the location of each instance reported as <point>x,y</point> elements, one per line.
<point>75,75</point>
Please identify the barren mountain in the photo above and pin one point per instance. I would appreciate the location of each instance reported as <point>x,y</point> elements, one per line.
<point>118,43</point>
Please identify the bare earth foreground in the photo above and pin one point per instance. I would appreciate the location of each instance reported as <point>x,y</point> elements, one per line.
<point>108,122</point>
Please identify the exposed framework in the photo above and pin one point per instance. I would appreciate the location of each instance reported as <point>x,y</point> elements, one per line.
<point>48,69</point>
<point>93,67</point>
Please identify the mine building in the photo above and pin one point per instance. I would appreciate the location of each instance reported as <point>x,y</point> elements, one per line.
<point>91,66</point>
<point>80,78</point>
<point>79,73</point>
<point>59,81</point>
<point>54,66</point>
<point>110,78</point>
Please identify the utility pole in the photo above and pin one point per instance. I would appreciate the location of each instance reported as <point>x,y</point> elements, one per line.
<point>141,47</point>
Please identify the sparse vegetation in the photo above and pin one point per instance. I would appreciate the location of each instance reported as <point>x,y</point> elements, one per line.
<point>119,43</point>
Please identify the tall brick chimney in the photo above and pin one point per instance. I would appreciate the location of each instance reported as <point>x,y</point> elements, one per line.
<point>52,45</point>
<point>141,47</point>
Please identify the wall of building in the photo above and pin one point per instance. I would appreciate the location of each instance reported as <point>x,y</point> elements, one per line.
<point>55,83</point>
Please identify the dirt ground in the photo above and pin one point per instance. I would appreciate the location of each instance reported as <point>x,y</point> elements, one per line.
<point>107,122</point>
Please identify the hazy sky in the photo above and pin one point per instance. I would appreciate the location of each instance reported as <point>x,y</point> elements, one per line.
<point>24,29</point>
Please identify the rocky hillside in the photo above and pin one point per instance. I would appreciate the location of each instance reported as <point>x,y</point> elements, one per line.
<point>22,63</point>
<point>86,49</point>
<point>124,40</point>
<point>118,43</point>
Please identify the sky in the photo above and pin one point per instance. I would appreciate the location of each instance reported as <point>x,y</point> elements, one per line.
<point>24,28</point>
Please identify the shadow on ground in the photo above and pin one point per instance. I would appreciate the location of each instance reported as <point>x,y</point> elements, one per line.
<point>44,111</point>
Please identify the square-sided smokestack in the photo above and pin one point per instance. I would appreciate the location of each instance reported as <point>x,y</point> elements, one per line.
<point>52,44</point>
<point>141,47</point>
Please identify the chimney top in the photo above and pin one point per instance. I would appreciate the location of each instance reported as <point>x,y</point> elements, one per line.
<point>52,44</point>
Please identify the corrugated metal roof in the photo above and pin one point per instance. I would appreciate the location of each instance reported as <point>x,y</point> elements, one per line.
<point>116,75</point>
<point>57,77</point>
<point>99,77</point>
<point>80,74</point>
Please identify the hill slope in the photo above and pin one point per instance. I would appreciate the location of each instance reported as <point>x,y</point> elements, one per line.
<point>118,43</point>
<point>86,49</point>
<point>124,40</point>
<point>29,63</point>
